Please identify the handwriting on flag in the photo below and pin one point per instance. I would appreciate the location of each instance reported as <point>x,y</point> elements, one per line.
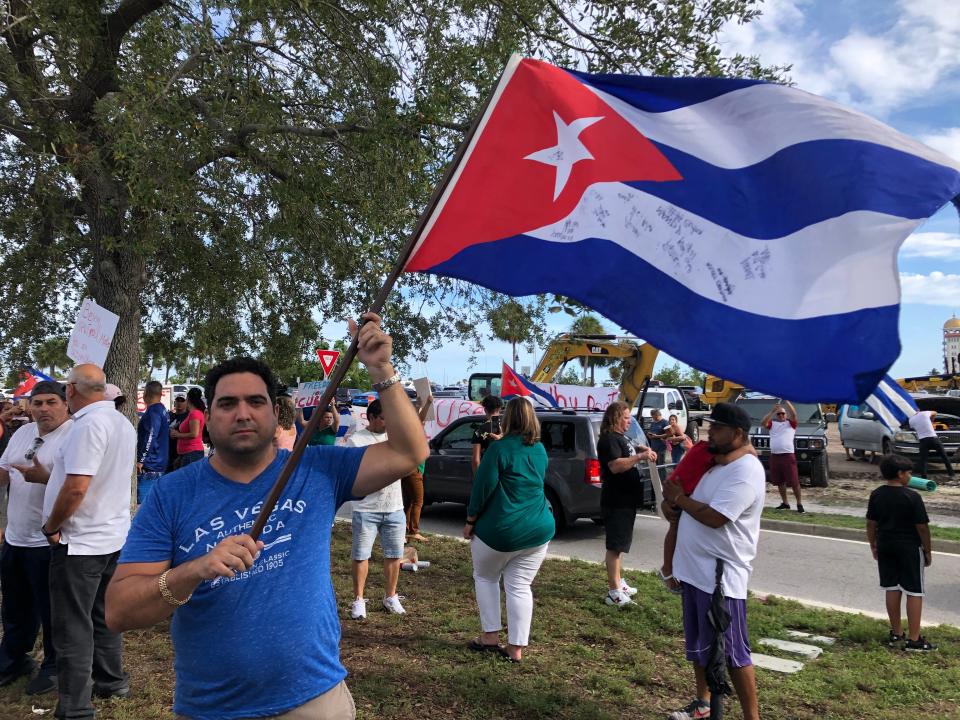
<point>92,334</point>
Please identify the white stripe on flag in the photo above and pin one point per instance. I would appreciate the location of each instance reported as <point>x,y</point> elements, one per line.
<point>745,126</point>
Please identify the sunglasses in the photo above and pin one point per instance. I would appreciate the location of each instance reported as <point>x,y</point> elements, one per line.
<point>32,452</point>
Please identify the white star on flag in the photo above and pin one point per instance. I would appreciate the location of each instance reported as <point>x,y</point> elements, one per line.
<point>567,151</point>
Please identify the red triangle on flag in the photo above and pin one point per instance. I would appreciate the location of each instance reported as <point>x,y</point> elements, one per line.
<point>501,189</point>
<point>328,358</point>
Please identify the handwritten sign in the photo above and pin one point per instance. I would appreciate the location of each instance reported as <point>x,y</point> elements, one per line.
<point>92,334</point>
<point>424,391</point>
<point>577,396</point>
<point>308,394</point>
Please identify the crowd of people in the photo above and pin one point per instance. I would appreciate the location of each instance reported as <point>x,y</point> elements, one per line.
<point>73,565</point>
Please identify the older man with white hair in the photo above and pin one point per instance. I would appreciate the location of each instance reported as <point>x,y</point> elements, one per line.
<point>86,512</point>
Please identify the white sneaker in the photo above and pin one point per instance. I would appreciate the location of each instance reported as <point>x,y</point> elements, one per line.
<point>618,598</point>
<point>359,609</point>
<point>392,604</point>
<point>624,588</point>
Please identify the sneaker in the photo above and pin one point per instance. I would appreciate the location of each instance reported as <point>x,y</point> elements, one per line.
<point>42,683</point>
<point>919,645</point>
<point>697,710</point>
<point>893,639</point>
<point>392,604</point>
<point>618,598</point>
<point>624,588</point>
<point>799,508</point>
<point>359,609</point>
<point>782,506</point>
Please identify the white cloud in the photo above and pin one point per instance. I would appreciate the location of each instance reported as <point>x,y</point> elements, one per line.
<point>937,288</point>
<point>877,72</point>
<point>932,245</point>
<point>946,141</point>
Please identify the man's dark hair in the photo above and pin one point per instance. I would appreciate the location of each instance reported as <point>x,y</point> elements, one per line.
<point>375,409</point>
<point>491,403</point>
<point>893,465</point>
<point>239,365</point>
<point>153,388</point>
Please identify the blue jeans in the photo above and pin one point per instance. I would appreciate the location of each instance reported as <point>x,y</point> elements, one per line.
<point>145,483</point>
<point>392,527</point>
<point>190,457</point>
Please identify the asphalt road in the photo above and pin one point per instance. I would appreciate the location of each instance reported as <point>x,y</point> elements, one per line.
<point>818,571</point>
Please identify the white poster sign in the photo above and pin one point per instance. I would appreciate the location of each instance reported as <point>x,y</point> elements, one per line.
<point>422,386</point>
<point>308,394</point>
<point>92,334</point>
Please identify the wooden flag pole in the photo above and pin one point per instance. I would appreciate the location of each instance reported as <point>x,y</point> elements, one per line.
<point>376,307</point>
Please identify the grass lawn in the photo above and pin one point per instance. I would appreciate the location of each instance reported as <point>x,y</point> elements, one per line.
<point>849,521</point>
<point>586,661</point>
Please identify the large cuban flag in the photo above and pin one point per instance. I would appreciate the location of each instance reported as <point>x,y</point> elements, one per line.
<point>746,228</point>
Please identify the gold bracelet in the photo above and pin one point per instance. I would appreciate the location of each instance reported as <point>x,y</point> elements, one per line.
<point>167,595</point>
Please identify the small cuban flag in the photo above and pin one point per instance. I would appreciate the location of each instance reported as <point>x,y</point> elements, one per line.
<point>892,404</point>
<point>766,219</point>
<point>512,385</point>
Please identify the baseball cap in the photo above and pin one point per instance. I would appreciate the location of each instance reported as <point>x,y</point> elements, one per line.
<point>49,387</point>
<point>180,397</point>
<point>111,392</point>
<point>729,415</point>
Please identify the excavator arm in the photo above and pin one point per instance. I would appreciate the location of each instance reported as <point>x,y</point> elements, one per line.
<point>637,360</point>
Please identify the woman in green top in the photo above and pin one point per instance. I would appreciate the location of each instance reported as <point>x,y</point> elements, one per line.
<point>509,526</point>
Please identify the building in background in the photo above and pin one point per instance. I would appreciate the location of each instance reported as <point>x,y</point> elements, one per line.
<point>951,346</point>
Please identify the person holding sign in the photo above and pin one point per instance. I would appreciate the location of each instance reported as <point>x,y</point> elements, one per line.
<point>188,554</point>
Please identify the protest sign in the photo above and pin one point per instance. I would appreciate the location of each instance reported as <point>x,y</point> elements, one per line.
<point>308,394</point>
<point>92,334</point>
<point>422,386</point>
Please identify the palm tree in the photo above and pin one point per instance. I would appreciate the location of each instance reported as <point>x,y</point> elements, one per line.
<point>52,354</point>
<point>511,322</point>
<point>589,325</point>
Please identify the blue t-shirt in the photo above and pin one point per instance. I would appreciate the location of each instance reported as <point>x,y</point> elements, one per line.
<point>267,640</point>
<point>658,428</point>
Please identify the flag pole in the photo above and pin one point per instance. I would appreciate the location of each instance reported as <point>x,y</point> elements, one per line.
<point>376,307</point>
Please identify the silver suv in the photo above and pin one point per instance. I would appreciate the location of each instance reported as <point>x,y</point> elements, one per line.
<point>572,485</point>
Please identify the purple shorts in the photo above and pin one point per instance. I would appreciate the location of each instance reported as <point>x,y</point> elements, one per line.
<point>699,635</point>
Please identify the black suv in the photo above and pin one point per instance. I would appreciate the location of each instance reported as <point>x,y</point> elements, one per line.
<point>572,484</point>
<point>810,442</point>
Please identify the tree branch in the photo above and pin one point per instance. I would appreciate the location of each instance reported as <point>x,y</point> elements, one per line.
<point>328,133</point>
<point>128,14</point>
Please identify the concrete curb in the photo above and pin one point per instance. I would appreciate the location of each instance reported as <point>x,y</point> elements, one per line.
<point>943,546</point>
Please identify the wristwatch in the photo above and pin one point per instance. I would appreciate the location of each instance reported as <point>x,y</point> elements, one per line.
<point>384,384</point>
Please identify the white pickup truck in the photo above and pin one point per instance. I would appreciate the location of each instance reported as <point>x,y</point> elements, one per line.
<point>671,401</point>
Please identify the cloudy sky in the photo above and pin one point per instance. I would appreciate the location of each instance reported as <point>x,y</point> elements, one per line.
<point>896,60</point>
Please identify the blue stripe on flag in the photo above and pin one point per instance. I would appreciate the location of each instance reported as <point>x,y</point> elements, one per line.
<point>661,94</point>
<point>773,198</point>
<point>788,358</point>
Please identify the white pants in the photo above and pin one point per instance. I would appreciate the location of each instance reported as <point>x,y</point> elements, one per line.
<point>518,569</point>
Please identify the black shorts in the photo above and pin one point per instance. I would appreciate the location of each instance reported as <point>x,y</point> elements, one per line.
<point>901,567</point>
<point>618,523</point>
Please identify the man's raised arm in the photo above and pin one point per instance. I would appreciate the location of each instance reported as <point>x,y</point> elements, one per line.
<point>406,445</point>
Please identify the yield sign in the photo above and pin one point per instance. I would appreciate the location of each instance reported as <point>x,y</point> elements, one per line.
<point>328,358</point>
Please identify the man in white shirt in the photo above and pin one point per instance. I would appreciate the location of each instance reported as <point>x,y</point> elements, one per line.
<point>380,512</point>
<point>25,557</point>
<point>720,521</point>
<point>781,423</point>
<point>86,510</point>
<point>922,424</point>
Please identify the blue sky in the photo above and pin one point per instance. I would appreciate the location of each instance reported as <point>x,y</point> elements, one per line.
<point>896,60</point>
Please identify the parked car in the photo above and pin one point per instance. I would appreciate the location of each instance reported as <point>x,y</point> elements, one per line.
<point>572,483</point>
<point>451,391</point>
<point>860,430</point>
<point>671,401</point>
<point>364,397</point>
<point>947,425</point>
<point>810,441</point>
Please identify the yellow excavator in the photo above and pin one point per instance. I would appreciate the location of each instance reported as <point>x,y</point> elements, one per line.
<point>636,361</point>
<point>930,383</point>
